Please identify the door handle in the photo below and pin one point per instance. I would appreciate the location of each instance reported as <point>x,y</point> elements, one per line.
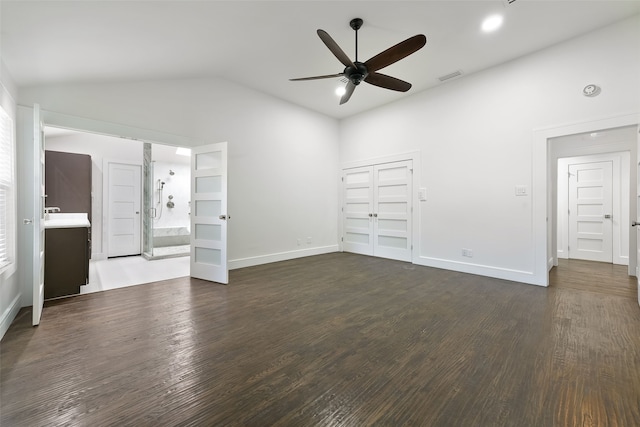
<point>223,217</point>
<point>27,221</point>
<point>375,215</point>
<point>607,216</point>
<point>634,223</point>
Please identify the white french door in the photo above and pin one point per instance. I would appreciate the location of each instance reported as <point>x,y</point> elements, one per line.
<point>590,207</point>
<point>392,210</point>
<point>377,210</point>
<point>357,211</point>
<point>38,216</point>
<point>124,182</point>
<point>635,223</point>
<point>209,213</point>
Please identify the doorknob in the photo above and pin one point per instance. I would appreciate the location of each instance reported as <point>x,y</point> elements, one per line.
<point>27,221</point>
<point>607,216</point>
<point>375,215</point>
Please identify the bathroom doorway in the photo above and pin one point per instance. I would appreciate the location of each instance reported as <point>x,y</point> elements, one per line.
<point>167,205</point>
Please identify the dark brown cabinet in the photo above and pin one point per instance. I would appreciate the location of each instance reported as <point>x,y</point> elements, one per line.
<point>68,181</point>
<point>66,261</point>
<point>67,250</point>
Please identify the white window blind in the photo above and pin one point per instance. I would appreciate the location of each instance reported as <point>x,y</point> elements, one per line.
<point>7,186</point>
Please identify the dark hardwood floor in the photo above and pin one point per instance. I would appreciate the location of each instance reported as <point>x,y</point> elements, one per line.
<point>330,340</point>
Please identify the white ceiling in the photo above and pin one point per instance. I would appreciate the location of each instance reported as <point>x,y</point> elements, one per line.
<point>261,44</point>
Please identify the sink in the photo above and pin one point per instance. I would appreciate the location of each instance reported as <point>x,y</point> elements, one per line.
<point>67,220</point>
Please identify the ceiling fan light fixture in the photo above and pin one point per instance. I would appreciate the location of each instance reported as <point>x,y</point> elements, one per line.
<point>340,90</point>
<point>492,23</point>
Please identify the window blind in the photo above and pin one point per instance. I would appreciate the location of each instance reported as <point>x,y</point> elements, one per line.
<point>7,186</point>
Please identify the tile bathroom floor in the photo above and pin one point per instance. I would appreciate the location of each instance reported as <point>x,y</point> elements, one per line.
<point>116,273</point>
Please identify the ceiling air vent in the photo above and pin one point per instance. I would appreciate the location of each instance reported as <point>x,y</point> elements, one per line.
<point>508,3</point>
<point>450,76</point>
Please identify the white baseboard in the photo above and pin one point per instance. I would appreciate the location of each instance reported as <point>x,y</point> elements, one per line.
<point>521,276</point>
<point>98,256</point>
<point>281,256</point>
<point>9,314</point>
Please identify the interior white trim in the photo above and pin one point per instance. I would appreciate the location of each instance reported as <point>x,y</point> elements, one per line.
<point>540,184</point>
<point>10,314</point>
<point>81,124</point>
<point>482,270</point>
<point>281,256</point>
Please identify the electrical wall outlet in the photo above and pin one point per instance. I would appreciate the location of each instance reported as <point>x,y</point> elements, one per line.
<point>467,252</point>
<point>521,190</point>
<point>308,240</point>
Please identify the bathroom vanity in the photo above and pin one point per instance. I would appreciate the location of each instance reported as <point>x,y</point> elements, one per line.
<point>66,256</point>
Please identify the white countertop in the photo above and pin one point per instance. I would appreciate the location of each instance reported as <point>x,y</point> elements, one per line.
<point>67,220</point>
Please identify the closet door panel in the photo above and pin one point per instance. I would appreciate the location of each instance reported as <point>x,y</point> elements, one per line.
<point>357,211</point>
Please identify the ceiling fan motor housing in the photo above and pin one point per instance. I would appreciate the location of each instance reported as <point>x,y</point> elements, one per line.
<point>357,74</point>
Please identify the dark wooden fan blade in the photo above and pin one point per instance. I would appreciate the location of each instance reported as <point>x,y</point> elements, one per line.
<point>328,76</point>
<point>335,49</point>
<point>396,53</point>
<point>387,82</point>
<point>350,88</point>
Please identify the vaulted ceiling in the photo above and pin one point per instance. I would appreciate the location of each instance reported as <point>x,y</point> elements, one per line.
<point>261,44</point>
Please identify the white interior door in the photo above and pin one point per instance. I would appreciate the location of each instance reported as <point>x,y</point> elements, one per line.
<point>635,223</point>
<point>357,210</point>
<point>377,210</point>
<point>38,216</point>
<point>209,213</point>
<point>123,209</point>
<point>590,207</point>
<point>392,210</point>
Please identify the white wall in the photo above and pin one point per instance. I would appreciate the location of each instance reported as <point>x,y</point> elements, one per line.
<point>283,160</point>
<point>10,292</point>
<point>475,137</point>
<point>99,147</point>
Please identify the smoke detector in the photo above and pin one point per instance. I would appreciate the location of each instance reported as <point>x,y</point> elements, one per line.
<point>591,90</point>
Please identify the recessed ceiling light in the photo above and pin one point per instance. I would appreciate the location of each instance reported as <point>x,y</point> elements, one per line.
<point>491,23</point>
<point>340,90</point>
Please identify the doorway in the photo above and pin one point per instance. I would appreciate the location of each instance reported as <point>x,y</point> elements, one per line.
<point>593,152</point>
<point>594,207</point>
<point>167,201</point>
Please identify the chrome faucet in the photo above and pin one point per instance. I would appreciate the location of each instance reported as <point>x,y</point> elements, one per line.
<point>52,209</point>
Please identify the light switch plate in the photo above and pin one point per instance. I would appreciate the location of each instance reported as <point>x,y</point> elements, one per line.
<point>422,194</point>
<point>521,190</point>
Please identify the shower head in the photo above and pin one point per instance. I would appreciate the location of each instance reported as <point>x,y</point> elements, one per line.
<point>171,172</point>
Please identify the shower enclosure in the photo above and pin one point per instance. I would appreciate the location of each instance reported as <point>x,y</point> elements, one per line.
<point>166,222</point>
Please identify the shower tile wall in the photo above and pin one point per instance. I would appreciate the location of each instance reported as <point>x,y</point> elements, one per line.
<point>147,242</point>
<point>178,186</point>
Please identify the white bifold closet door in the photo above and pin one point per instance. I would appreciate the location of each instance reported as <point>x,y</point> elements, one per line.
<point>377,210</point>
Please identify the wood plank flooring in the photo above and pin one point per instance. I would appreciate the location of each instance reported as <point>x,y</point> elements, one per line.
<point>330,340</point>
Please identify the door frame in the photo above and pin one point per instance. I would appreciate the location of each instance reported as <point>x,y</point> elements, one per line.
<point>106,163</point>
<point>413,156</point>
<point>620,209</point>
<point>544,178</point>
<point>50,118</point>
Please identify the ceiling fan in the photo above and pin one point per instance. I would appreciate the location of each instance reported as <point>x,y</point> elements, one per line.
<point>356,71</point>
